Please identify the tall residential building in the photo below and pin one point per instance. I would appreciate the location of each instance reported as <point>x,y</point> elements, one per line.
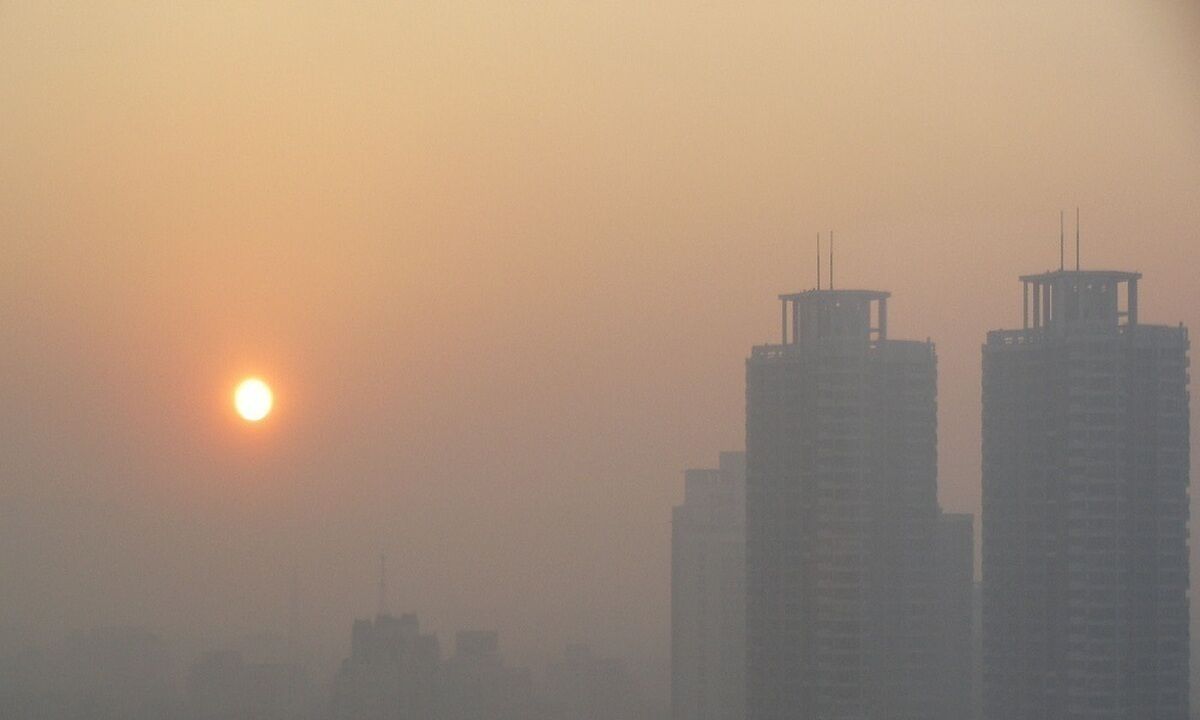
<point>1085,507</point>
<point>841,516</point>
<point>708,593</point>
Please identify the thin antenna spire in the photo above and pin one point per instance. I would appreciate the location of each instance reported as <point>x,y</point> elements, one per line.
<point>1061,243</point>
<point>383,608</point>
<point>830,259</point>
<point>1077,238</point>
<point>818,261</point>
<point>293,631</point>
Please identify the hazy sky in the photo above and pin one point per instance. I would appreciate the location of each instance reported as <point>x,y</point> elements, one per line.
<point>503,265</point>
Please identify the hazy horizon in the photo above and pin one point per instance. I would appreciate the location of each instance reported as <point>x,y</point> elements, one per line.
<point>503,267</point>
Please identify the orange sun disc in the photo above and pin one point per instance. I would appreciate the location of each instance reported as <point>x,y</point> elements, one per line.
<point>253,399</point>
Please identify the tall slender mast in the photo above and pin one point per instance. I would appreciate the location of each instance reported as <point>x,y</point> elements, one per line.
<point>1077,238</point>
<point>1061,243</point>
<point>830,259</point>
<point>293,630</point>
<point>818,261</point>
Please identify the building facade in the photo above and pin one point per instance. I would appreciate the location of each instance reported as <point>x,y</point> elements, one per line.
<point>708,591</point>
<point>1085,507</point>
<point>841,516</point>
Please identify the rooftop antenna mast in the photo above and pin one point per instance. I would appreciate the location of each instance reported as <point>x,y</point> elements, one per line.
<point>382,584</point>
<point>1061,243</point>
<point>1077,238</point>
<point>818,261</point>
<point>830,259</point>
<point>293,631</point>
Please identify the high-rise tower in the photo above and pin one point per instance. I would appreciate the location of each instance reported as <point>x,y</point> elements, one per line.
<point>1085,507</point>
<point>841,516</point>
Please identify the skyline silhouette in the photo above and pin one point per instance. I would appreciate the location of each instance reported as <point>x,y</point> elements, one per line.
<point>500,266</point>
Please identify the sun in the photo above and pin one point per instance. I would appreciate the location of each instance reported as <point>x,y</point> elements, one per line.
<point>253,399</point>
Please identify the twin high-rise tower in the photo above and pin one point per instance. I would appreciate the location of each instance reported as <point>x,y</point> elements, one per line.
<point>841,516</point>
<point>1085,507</point>
<point>858,589</point>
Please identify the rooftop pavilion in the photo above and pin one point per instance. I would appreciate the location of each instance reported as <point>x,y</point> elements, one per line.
<point>828,314</point>
<point>1080,298</point>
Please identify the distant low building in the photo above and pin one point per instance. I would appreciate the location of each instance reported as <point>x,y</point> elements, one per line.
<point>477,685</point>
<point>221,686</point>
<point>117,673</point>
<point>24,676</point>
<point>708,593</point>
<point>585,686</point>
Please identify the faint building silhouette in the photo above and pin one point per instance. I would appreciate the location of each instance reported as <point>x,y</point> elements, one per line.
<point>1085,507</point>
<point>392,672</point>
<point>221,686</point>
<point>841,516</point>
<point>24,676</point>
<point>584,686</point>
<point>477,685</point>
<point>117,673</point>
<point>708,593</point>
